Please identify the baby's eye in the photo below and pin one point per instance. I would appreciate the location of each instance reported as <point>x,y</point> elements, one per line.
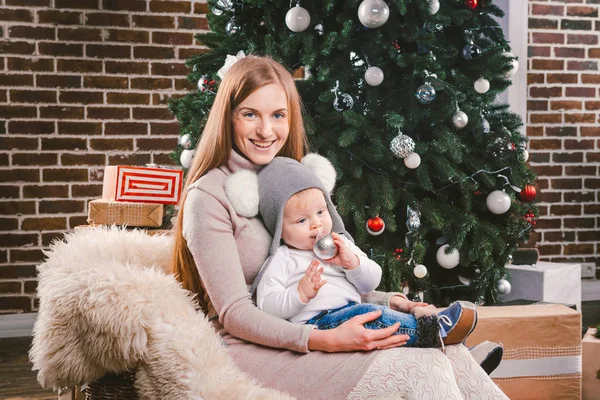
<point>320,212</point>
<point>302,220</point>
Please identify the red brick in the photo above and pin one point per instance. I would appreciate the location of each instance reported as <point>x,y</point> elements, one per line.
<point>587,236</point>
<point>61,49</point>
<point>567,183</point>
<point>569,52</point>
<point>153,53</point>
<point>9,224</point>
<point>545,92</point>
<point>169,69</point>
<point>49,237</point>
<point>173,38</point>
<point>580,170</point>
<point>80,128</point>
<point>18,239</point>
<point>547,37</point>
<point>580,118</point>
<point>545,118</point>
<point>200,8</point>
<point>128,36</point>
<point>19,175</point>
<point>590,131</point>
<point>549,197</point>
<point>565,105</point>
<point>34,256</point>
<point>577,11</point>
<point>19,303</point>
<point>184,53</point>
<point>590,78</point>
<point>592,105</point>
<point>17,207</point>
<point>82,159</point>
<point>84,4</point>
<point>64,81</point>
<point>17,271</point>
<point>125,128</point>
<point>178,7</point>
<point>580,222</point>
<point>59,17</point>
<point>163,98</point>
<point>579,197</point>
<point>193,23</point>
<point>571,144</point>
<point>111,144</point>
<point>582,65</point>
<point>18,143</point>
<point>107,51</point>
<point>80,34</point>
<point>575,24</point>
<point>592,157</point>
<point>580,92</point>
<point>547,170</point>
<point>546,250</point>
<point>62,112</point>
<point>31,127</point>
<point>592,209</point>
<point>107,113</point>
<point>24,3</point>
<point>77,221</point>
<point>567,157</point>
<point>89,190</point>
<point>160,128</point>
<point>30,64</point>
<point>81,97</point>
<point>9,192</point>
<point>594,53</point>
<point>562,78</point>
<point>45,191</point>
<point>184,85</point>
<point>64,175</point>
<point>10,287</point>
<point>16,80</point>
<point>151,83</point>
<point>128,98</point>
<point>44,224</point>
<point>32,96</point>
<point>153,21</point>
<point>61,206</point>
<point>152,113</point>
<point>539,9</point>
<point>163,159</point>
<point>17,111</point>
<point>155,144</point>
<point>64,144</point>
<point>124,5</point>
<point>582,39</point>
<point>127,67</point>
<point>31,32</point>
<point>28,159</point>
<point>105,82</point>
<point>107,19</point>
<point>559,236</point>
<point>16,47</point>
<point>579,249</point>
<point>136,158</point>
<point>30,287</point>
<point>592,183</point>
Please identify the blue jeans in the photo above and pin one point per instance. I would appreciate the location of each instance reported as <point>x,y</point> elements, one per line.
<point>330,319</point>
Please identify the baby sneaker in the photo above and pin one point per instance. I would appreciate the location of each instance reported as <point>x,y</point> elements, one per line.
<point>457,322</point>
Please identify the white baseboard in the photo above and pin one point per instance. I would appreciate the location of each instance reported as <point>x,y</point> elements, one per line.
<point>590,290</point>
<point>17,325</point>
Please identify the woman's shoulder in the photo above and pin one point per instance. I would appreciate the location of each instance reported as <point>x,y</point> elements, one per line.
<point>212,182</point>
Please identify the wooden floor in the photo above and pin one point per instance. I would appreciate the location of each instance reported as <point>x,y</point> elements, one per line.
<point>17,381</point>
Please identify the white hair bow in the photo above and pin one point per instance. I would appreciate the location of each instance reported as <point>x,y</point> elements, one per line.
<point>229,61</point>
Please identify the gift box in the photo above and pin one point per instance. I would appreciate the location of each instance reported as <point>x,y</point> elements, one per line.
<point>105,212</point>
<point>591,365</point>
<point>142,184</point>
<point>542,349</point>
<point>545,281</point>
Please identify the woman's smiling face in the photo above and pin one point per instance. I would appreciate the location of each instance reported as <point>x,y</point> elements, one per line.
<point>261,124</point>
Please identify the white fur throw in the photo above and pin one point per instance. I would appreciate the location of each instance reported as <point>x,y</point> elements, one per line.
<point>107,305</point>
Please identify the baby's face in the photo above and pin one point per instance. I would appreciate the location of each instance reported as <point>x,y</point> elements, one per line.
<point>304,217</point>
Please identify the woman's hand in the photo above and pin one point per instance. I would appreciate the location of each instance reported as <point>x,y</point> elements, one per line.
<point>404,305</point>
<point>311,282</point>
<point>353,336</point>
<point>345,257</point>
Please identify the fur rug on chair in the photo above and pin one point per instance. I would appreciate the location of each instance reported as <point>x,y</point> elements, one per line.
<point>108,305</point>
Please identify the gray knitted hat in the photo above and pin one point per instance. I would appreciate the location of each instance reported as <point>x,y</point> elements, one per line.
<point>279,180</point>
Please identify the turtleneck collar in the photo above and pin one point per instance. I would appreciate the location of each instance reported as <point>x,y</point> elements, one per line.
<point>238,162</point>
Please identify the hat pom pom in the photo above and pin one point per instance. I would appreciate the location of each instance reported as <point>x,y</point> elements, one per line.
<point>323,168</point>
<point>241,189</point>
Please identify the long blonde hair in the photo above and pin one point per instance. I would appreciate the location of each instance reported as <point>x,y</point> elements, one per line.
<point>214,148</point>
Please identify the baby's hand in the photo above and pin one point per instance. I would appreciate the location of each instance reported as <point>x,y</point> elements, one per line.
<point>311,282</point>
<point>345,257</point>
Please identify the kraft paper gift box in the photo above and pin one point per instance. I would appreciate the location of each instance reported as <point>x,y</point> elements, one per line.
<point>545,281</point>
<point>104,212</point>
<point>142,184</point>
<point>542,349</point>
<point>591,365</point>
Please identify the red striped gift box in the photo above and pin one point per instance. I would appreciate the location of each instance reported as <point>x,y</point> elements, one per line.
<point>142,184</point>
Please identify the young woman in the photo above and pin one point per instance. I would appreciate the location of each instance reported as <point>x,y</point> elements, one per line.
<point>218,253</point>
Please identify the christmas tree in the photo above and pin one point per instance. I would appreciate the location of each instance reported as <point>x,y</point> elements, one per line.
<point>402,98</point>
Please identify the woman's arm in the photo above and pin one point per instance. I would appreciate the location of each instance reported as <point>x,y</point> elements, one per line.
<point>208,230</point>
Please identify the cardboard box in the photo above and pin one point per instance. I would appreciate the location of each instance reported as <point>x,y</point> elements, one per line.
<point>142,184</point>
<point>542,349</point>
<point>545,281</point>
<point>104,212</point>
<point>591,365</point>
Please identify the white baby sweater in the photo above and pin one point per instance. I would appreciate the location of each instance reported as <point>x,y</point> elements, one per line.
<point>277,292</point>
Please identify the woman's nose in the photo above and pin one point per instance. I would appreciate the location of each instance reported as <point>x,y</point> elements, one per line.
<point>264,127</point>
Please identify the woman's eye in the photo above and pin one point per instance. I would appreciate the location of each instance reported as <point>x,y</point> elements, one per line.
<point>249,114</point>
<point>279,115</point>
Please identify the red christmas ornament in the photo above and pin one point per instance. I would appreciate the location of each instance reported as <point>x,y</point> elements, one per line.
<point>375,225</point>
<point>528,193</point>
<point>398,250</point>
<point>472,4</point>
<point>397,45</point>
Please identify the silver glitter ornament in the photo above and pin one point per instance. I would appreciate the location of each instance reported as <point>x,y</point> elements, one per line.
<point>343,103</point>
<point>500,148</point>
<point>222,5</point>
<point>232,27</point>
<point>460,119</point>
<point>425,93</point>
<point>325,247</point>
<point>402,145</point>
<point>485,126</point>
<point>413,220</point>
<point>471,52</point>
<point>373,13</point>
<point>185,141</point>
<point>503,286</point>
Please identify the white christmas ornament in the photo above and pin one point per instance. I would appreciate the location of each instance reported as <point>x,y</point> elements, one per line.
<point>229,61</point>
<point>460,119</point>
<point>482,85</point>
<point>420,271</point>
<point>412,161</point>
<point>498,202</point>
<point>434,6</point>
<point>503,286</point>
<point>186,158</point>
<point>373,13</point>
<point>524,156</point>
<point>514,65</point>
<point>374,76</point>
<point>297,19</point>
<point>449,260</point>
<point>186,141</point>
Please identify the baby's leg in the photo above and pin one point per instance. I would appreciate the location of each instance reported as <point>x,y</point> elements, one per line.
<point>408,323</point>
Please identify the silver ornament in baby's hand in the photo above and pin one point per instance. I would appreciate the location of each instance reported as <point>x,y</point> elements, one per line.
<point>325,247</point>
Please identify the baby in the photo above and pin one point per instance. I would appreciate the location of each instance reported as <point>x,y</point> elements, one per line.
<point>294,202</point>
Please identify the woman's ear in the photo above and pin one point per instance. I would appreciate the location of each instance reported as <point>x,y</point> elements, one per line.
<point>241,189</point>
<point>323,168</point>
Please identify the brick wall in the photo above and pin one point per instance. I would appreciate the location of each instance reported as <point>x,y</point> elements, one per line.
<point>83,84</point>
<point>563,125</point>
